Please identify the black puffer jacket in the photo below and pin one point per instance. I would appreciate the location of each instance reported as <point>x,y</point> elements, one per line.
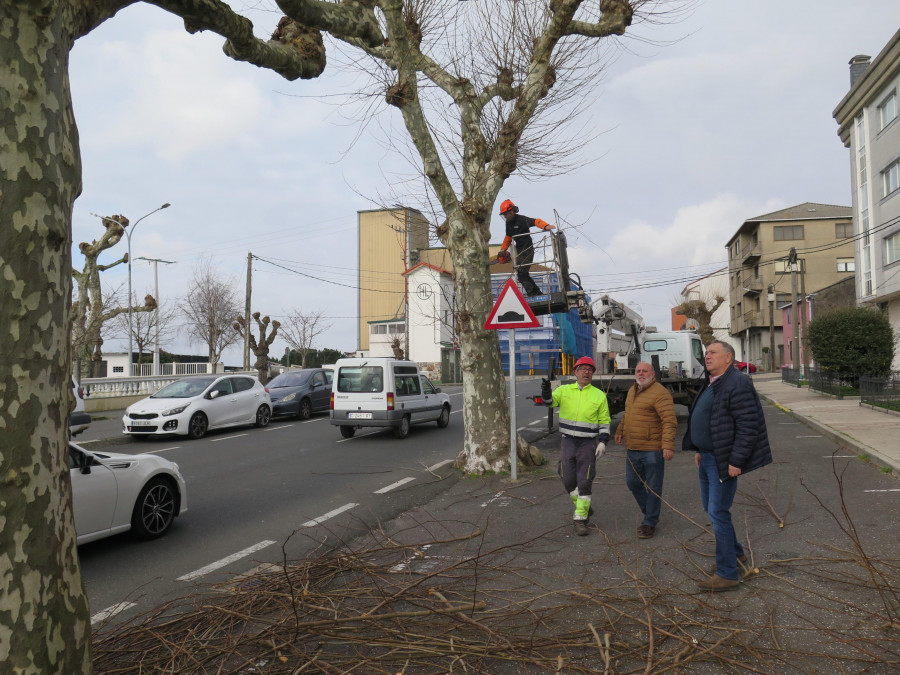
<point>736,424</point>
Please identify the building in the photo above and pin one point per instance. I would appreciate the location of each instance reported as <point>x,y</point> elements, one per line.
<point>868,126</point>
<point>707,289</point>
<point>760,276</point>
<point>840,295</point>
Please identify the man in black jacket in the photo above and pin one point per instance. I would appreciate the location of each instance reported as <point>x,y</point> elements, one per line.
<point>727,430</point>
<point>518,232</point>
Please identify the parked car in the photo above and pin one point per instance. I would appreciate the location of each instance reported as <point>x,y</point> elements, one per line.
<point>194,405</point>
<point>79,420</point>
<point>300,393</point>
<point>384,392</point>
<point>745,367</point>
<point>113,493</point>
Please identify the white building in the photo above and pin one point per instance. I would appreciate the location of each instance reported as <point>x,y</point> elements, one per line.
<point>707,289</point>
<point>868,126</point>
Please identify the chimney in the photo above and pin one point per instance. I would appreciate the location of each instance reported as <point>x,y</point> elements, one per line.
<point>859,64</point>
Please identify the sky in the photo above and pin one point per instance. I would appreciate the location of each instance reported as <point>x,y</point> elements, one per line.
<point>700,125</point>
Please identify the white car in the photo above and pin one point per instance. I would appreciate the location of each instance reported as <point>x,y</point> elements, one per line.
<point>194,405</point>
<point>113,493</point>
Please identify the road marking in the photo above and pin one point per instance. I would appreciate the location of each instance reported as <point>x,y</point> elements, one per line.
<point>227,438</point>
<point>808,436</point>
<point>839,456</point>
<point>390,487</point>
<point>111,611</point>
<point>788,424</point>
<point>153,452</point>
<point>435,467</point>
<point>330,514</point>
<point>212,567</point>
<point>891,490</point>
<point>283,426</point>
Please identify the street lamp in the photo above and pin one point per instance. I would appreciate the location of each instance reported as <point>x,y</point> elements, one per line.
<point>128,232</point>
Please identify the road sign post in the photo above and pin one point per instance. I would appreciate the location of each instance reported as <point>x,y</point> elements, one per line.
<point>511,311</point>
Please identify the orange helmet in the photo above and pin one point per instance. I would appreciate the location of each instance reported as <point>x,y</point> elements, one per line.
<point>507,205</point>
<point>585,361</point>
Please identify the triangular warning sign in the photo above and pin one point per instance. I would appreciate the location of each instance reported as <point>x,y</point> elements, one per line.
<point>511,310</point>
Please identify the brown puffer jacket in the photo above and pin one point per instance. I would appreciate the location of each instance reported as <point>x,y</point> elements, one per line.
<point>649,422</point>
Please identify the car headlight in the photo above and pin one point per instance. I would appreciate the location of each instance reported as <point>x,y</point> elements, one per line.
<point>289,397</point>
<point>175,411</point>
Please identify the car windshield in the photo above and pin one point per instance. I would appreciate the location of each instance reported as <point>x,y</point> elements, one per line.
<point>185,388</point>
<point>289,380</point>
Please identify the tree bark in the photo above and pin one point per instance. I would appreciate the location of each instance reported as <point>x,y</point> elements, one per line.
<point>44,616</point>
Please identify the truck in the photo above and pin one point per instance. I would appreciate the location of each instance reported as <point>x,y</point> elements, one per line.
<point>623,341</point>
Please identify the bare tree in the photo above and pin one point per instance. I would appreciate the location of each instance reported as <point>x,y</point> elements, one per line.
<point>260,347</point>
<point>495,102</point>
<point>300,331</point>
<point>147,325</point>
<point>701,310</point>
<point>209,308</point>
<point>90,311</point>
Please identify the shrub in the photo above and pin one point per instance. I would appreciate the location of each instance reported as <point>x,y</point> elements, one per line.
<point>858,341</point>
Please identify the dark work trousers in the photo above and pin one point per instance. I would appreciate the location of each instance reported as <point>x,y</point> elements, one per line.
<point>524,258</point>
<point>577,468</point>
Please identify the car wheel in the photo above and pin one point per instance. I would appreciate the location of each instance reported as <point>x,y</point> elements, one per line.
<point>155,509</point>
<point>444,419</point>
<point>263,415</point>
<point>198,426</point>
<point>347,432</point>
<point>304,412</point>
<point>402,429</point>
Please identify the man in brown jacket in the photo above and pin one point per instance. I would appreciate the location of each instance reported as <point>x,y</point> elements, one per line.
<point>648,429</point>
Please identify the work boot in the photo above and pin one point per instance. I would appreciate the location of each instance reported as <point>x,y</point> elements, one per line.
<point>645,531</point>
<point>581,528</point>
<point>716,583</point>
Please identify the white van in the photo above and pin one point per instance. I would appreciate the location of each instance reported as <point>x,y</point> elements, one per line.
<point>682,347</point>
<point>384,392</point>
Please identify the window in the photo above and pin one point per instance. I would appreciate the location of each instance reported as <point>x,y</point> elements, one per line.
<point>782,267</point>
<point>846,265</point>
<point>241,384</point>
<point>788,232</point>
<point>887,111</point>
<point>407,385</point>
<point>396,329</point>
<point>379,330</point>
<point>843,230</point>
<point>655,345</point>
<point>892,248</point>
<point>782,299</point>
<point>890,178</point>
<point>118,369</point>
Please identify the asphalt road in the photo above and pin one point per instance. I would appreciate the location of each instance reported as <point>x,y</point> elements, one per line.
<point>258,495</point>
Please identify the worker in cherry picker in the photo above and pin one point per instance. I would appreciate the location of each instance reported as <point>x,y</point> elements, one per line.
<point>518,232</point>
<point>584,427</point>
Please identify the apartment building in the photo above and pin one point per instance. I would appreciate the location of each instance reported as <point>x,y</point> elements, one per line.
<point>868,126</point>
<point>760,276</point>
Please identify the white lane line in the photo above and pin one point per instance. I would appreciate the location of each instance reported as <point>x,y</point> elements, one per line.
<point>453,412</point>
<point>435,467</point>
<point>891,490</point>
<point>839,456</point>
<point>283,426</point>
<point>808,436</point>
<point>227,438</point>
<point>153,452</point>
<point>789,424</point>
<point>212,567</point>
<point>390,487</point>
<point>330,514</point>
<point>111,611</point>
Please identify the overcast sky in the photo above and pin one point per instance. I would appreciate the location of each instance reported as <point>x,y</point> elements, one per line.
<point>721,117</point>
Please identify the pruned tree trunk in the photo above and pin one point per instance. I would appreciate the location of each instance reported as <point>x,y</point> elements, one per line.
<point>44,617</point>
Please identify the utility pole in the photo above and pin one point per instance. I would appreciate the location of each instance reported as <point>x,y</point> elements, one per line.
<point>156,312</point>
<point>247,312</point>
<point>804,318</point>
<point>771,298</point>
<point>795,311</point>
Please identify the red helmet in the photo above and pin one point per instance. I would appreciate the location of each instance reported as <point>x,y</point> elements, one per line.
<point>585,361</point>
<point>507,205</point>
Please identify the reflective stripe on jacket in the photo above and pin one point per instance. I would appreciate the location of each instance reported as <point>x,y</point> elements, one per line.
<point>582,412</point>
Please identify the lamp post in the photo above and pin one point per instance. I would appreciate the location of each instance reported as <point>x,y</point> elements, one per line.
<point>128,232</point>
<point>155,262</point>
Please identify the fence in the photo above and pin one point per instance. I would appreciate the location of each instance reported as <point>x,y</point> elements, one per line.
<point>881,392</point>
<point>179,369</point>
<point>832,382</point>
<point>790,376</point>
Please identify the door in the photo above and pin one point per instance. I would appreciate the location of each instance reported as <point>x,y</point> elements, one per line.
<point>246,399</point>
<point>319,391</point>
<point>432,402</point>
<point>93,494</point>
<point>221,409</point>
<point>410,398</point>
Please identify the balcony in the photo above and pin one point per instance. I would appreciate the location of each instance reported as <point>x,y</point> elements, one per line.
<point>750,253</point>
<point>751,285</point>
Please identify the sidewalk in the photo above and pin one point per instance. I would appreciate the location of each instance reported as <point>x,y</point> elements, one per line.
<point>846,422</point>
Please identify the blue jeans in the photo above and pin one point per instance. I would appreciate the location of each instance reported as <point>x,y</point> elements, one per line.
<point>644,472</point>
<point>717,497</point>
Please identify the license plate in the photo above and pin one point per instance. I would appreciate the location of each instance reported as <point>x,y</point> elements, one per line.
<point>359,416</point>
<point>141,423</point>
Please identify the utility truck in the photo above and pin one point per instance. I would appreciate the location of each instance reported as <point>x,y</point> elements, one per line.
<point>623,341</point>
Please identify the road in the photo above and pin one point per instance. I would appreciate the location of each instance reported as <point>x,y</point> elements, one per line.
<point>258,495</point>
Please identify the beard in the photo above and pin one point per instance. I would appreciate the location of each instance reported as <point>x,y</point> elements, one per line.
<point>644,381</point>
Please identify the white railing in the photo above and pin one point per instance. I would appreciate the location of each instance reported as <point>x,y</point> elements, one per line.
<point>146,369</point>
<point>112,387</point>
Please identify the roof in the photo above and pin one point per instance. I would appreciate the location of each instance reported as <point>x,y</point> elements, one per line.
<point>804,211</point>
<point>429,266</point>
